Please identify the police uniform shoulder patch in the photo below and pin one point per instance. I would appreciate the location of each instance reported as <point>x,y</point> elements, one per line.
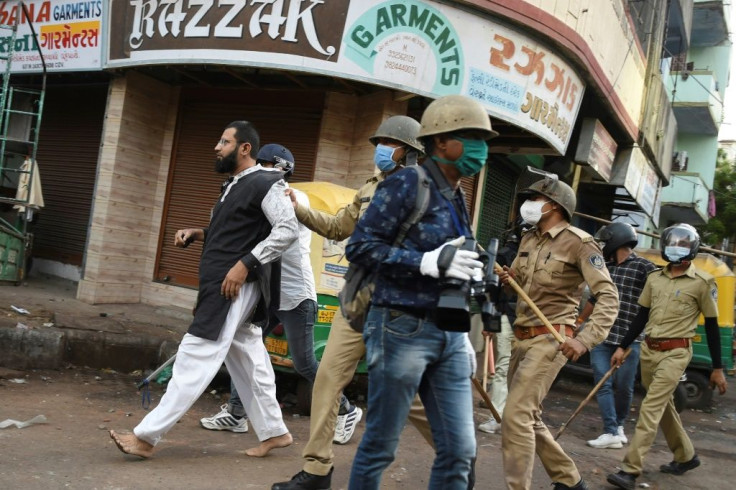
<point>597,261</point>
<point>584,236</point>
<point>714,293</point>
<point>704,275</point>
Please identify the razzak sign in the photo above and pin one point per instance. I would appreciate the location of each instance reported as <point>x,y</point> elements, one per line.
<point>68,35</point>
<point>311,28</point>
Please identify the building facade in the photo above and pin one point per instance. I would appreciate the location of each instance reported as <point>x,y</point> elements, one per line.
<point>127,140</point>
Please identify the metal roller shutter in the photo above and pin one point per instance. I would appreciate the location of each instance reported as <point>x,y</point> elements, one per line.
<point>289,118</point>
<point>469,186</point>
<point>69,146</point>
<point>498,194</point>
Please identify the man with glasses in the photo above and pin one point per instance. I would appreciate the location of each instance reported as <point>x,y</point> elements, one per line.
<point>297,309</point>
<point>251,225</point>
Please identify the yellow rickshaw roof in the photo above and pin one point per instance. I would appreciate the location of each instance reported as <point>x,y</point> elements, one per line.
<point>326,196</point>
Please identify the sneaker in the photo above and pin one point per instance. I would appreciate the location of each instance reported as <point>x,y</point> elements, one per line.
<point>346,425</point>
<point>621,435</point>
<point>624,480</point>
<point>606,441</point>
<point>306,481</point>
<point>490,427</point>
<point>675,468</point>
<point>225,421</point>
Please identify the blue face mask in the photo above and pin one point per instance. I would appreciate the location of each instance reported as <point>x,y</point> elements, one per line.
<point>675,254</point>
<point>473,158</point>
<point>383,158</point>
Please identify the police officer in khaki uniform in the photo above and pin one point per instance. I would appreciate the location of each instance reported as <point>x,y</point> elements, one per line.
<point>396,145</point>
<point>554,259</point>
<point>671,302</point>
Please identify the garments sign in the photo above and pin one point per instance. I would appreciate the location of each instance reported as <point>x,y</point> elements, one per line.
<point>422,47</point>
<point>68,34</point>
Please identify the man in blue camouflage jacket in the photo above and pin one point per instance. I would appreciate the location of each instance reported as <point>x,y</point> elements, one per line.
<point>406,351</point>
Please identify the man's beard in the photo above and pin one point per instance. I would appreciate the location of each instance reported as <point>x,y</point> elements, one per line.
<point>226,164</point>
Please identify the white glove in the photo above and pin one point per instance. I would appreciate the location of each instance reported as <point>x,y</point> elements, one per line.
<point>463,266</point>
<point>471,356</point>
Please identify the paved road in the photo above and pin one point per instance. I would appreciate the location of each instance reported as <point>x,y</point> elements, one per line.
<point>74,451</point>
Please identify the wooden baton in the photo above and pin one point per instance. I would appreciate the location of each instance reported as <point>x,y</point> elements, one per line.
<point>592,393</point>
<point>487,400</point>
<point>520,292</point>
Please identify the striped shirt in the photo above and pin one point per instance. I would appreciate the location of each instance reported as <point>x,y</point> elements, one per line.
<point>629,277</point>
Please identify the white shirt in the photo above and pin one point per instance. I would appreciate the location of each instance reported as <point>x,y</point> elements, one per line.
<point>297,279</point>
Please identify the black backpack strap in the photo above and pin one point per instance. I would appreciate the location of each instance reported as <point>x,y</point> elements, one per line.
<point>420,205</point>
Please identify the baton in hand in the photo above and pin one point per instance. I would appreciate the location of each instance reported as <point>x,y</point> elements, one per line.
<point>520,292</point>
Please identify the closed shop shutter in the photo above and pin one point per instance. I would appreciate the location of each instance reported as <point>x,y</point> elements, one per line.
<point>498,194</point>
<point>68,150</point>
<point>469,186</point>
<point>288,118</point>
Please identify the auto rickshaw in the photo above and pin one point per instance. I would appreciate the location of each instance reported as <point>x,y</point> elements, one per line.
<point>699,393</point>
<point>329,265</point>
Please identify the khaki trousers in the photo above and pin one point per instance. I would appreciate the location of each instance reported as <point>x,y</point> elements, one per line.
<point>660,374</point>
<point>533,367</point>
<point>342,353</point>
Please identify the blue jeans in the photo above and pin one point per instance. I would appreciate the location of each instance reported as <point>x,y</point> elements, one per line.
<point>299,327</point>
<point>614,397</point>
<point>406,355</point>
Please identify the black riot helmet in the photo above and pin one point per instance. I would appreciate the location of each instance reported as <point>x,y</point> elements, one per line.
<point>615,236</point>
<point>679,243</point>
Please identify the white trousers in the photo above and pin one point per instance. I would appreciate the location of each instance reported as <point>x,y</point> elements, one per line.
<point>197,361</point>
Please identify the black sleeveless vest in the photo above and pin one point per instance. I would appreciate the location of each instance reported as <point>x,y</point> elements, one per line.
<point>236,227</point>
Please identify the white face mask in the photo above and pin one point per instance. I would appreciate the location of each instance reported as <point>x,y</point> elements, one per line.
<point>531,211</point>
<point>675,254</point>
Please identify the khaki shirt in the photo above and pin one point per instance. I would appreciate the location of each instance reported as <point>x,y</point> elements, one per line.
<point>340,225</point>
<point>551,267</point>
<point>676,302</point>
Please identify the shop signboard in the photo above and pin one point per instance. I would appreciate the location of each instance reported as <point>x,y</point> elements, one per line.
<point>648,189</point>
<point>423,47</point>
<point>637,176</point>
<point>596,148</point>
<point>68,32</point>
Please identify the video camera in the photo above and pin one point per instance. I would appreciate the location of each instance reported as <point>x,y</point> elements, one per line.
<point>453,307</point>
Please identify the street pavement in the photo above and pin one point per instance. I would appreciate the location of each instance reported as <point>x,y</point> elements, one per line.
<point>81,400</point>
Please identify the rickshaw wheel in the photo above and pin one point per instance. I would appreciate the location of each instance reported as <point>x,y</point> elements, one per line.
<point>699,394</point>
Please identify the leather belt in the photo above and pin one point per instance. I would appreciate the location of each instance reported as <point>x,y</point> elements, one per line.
<point>666,344</point>
<point>524,333</point>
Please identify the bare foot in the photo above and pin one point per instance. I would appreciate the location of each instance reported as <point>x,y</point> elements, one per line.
<point>272,443</point>
<point>130,444</point>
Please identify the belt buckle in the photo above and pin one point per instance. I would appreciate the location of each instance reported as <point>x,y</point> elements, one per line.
<point>525,332</point>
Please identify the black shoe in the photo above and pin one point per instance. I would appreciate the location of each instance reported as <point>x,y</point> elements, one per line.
<point>675,468</point>
<point>624,480</point>
<point>579,486</point>
<point>306,481</point>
